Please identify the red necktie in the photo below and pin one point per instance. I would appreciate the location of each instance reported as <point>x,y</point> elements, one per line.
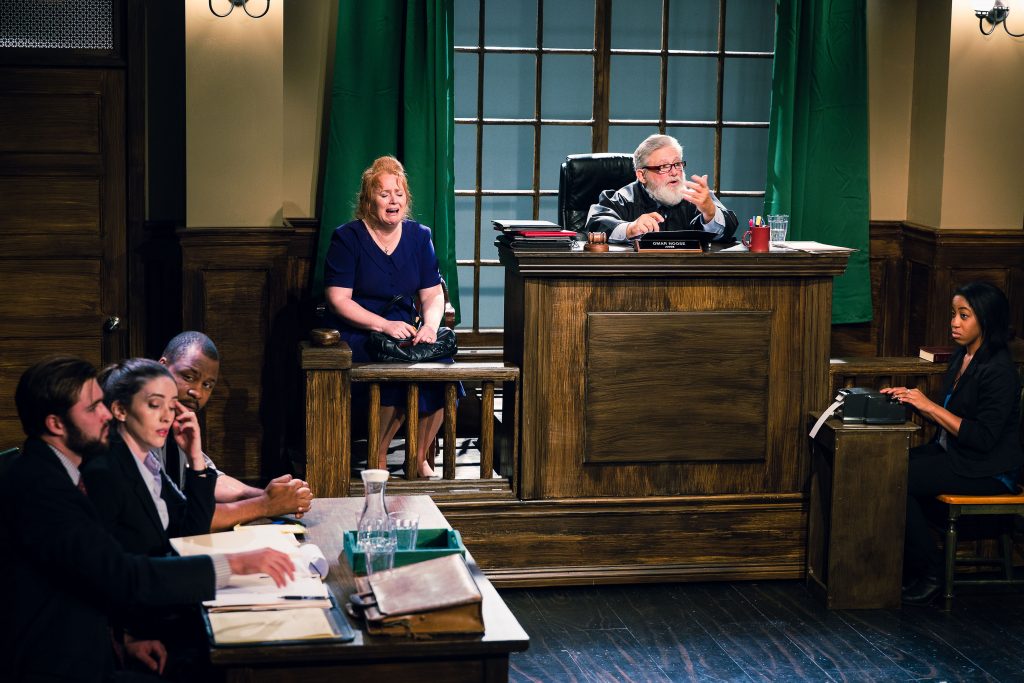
<point>81,486</point>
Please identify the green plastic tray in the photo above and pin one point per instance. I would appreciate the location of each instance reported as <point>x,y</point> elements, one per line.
<point>430,543</point>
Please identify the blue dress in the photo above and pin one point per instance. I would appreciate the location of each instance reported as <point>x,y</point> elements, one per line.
<point>356,262</point>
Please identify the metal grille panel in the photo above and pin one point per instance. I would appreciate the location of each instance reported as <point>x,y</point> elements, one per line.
<point>57,24</point>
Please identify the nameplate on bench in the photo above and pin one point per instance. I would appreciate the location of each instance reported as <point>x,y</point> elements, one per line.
<point>683,241</point>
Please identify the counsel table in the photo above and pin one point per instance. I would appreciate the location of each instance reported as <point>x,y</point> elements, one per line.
<point>375,658</point>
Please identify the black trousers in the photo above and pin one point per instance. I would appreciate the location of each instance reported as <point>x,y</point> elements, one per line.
<point>930,473</point>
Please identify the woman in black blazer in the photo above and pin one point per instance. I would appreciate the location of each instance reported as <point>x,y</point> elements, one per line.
<point>141,507</point>
<point>976,449</point>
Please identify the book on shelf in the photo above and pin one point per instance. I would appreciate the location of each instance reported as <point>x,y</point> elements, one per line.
<point>936,354</point>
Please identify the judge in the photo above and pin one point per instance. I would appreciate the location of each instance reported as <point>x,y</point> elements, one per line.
<point>661,198</point>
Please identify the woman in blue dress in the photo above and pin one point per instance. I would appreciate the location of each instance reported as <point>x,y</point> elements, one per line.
<point>380,255</point>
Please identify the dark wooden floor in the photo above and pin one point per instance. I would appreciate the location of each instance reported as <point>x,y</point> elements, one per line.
<point>768,631</point>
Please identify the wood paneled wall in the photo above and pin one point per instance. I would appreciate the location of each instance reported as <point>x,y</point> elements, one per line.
<point>914,271</point>
<point>62,221</point>
<point>249,289</point>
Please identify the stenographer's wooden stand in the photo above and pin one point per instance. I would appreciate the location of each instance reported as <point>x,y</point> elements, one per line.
<point>858,506</point>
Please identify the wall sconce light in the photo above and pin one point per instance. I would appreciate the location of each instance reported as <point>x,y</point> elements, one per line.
<point>994,16</point>
<point>244,4</point>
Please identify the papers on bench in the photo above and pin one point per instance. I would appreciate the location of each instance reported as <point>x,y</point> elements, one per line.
<point>251,610</point>
<point>257,591</point>
<point>806,247</point>
<point>236,628</point>
<point>815,247</point>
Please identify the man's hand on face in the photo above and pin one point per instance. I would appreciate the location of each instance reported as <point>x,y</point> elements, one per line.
<point>287,496</point>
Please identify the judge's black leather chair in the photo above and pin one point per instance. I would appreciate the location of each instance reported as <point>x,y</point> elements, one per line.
<point>582,180</point>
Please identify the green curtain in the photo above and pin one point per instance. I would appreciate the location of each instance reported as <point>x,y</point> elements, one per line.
<point>818,137</point>
<point>393,93</point>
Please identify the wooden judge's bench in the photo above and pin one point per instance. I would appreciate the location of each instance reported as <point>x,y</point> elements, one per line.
<point>662,416</point>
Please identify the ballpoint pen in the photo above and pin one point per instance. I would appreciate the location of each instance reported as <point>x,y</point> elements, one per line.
<point>303,597</point>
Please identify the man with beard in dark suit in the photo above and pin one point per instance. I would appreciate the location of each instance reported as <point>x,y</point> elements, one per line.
<point>63,571</point>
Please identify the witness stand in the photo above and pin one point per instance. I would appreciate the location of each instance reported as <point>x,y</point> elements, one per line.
<point>380,658</point>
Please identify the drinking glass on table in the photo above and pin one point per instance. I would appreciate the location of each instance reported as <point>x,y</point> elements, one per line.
<point>407,524</point>
<point>779,225</point>
<point>380,553</point>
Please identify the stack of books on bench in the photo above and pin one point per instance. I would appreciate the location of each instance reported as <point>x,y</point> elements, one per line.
<point>535,235</point>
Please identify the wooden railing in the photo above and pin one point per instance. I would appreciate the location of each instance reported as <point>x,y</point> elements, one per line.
<point>329,376</point>
<point>487,374</point>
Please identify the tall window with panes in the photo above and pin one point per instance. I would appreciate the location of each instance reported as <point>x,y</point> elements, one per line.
<point>537,80</point>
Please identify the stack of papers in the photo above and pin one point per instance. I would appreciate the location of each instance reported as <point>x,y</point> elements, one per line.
<point>806,247</point>
<point>243,628</point>
<point>527,234</point>
<point>815,247</point>
<point>257,591</point>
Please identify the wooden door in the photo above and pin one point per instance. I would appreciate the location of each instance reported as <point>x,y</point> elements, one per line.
<point>62,221</point>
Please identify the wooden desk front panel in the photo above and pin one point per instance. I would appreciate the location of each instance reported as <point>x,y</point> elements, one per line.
<point>649,374</point>
<point>742,360</point>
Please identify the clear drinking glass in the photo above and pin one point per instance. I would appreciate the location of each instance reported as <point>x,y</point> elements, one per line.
<point>779,226</point>
<point>380,554</point>
<point>407,525</point>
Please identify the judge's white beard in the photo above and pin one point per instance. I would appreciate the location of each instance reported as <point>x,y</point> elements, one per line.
<point>668,195</point>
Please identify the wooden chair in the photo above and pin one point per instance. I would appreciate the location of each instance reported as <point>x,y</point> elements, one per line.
<point>961,506</point>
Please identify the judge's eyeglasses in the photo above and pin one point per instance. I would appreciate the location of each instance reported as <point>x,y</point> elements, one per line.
<point>665,168</point>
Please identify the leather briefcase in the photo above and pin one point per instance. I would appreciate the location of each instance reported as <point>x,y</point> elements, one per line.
<point>434,597</point>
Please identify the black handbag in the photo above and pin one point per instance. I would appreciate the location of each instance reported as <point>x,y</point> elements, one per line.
<point>386,349</point>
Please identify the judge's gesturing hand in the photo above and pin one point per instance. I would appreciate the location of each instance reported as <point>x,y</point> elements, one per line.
<point>698,194</point>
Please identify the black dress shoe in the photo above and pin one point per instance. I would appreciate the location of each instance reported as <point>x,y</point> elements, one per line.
<point>922,591</point>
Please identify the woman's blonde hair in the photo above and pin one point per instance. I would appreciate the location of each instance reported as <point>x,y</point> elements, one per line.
<point>371,184</point>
